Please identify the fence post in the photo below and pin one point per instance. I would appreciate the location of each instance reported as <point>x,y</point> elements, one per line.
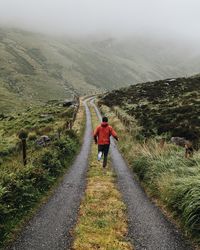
<point>24,151</point>
<point>23,134</point>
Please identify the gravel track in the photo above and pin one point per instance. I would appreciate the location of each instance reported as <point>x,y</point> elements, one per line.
<point>148,228</point>
<point>51,227</point>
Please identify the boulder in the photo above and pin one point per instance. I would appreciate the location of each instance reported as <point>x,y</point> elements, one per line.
<point>43,141</point>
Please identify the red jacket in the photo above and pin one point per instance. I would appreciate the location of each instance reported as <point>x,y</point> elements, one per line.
<point>103,133</point>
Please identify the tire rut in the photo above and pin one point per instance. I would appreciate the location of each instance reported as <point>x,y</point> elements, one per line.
<point>50,228</point>
<point>148,228</point>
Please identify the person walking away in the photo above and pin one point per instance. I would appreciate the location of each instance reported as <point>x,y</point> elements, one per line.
<point>102,135</point>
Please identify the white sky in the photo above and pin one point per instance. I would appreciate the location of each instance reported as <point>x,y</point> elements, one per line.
<point>173,18</point>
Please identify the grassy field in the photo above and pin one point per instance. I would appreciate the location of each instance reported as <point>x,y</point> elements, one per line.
<point>168,178</point>
<point>22,188</point>
<point>102,220</point>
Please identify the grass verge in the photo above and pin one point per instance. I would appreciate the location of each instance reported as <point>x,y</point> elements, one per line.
<point>170,179</point>
<point>102,220</point>
<point>23,189</point>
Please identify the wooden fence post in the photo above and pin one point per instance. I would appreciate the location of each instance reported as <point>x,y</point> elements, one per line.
<point>23,134</point>
<point>24,151</point>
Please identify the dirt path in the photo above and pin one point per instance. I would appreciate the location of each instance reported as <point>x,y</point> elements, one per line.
<point>148,227</point>
<point>102,222</point>
<point>50,228</point>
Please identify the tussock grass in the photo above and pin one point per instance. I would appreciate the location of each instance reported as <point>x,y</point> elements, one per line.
<point>166,175</point>
<point>102,218</point>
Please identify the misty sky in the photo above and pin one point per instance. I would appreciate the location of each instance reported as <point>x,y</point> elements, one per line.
<point>174,18</point>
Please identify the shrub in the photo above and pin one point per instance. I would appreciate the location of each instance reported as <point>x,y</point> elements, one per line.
<point>49,161</point>
<point>66,147</point>
<point>38,176</point>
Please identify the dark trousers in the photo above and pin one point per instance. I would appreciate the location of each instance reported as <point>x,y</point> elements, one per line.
<point>104,149</point>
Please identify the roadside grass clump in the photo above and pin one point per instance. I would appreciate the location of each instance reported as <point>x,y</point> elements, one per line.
<point>172,180</point>
<point>141,167</point>
<point>175,181</point>
<point>182,196</point>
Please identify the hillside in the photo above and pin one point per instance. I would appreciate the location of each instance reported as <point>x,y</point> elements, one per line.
<point>36,68</point>
<point>169,106</point>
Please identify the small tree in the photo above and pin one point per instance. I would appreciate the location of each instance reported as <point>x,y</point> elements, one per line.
<point>23,134</point>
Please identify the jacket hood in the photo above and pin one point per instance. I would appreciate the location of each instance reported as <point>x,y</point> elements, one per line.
<point>104,124</point>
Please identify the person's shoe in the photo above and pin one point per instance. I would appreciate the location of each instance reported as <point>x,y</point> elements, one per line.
<point>99,155</point>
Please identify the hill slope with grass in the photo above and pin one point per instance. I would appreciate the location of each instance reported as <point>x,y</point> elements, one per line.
<point>143,115</point>
<point>36,68</point>
<point>163,107</point>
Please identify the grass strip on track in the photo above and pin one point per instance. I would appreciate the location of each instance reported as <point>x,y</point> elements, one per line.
<point>102,220</point>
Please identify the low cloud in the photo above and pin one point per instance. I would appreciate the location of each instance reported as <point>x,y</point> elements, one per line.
<point>165,18</point>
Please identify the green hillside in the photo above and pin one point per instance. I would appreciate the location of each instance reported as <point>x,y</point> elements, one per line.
<point>36,68</point>
<point>168,106</point>
<point>33,68</point>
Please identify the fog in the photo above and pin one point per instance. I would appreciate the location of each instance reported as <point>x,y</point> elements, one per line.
<point>175,19</point>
